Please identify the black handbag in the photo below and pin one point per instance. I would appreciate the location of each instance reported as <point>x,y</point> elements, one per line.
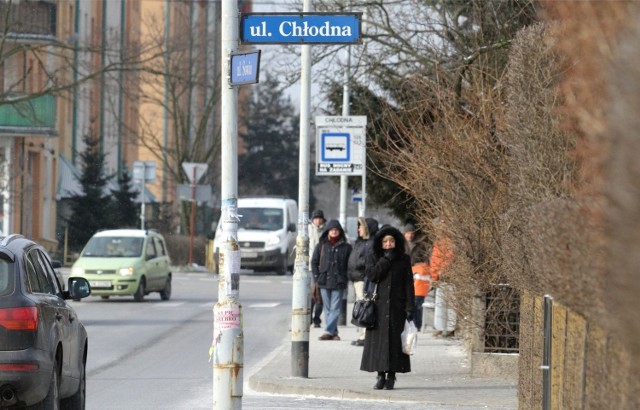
<point>364,310</point>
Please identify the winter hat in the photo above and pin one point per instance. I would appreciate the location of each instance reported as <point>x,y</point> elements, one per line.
<point>409,227</point>
<point>318,214</point>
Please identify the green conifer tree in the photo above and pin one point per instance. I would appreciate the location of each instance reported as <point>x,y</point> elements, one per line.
<point>90,209</point>
<point>269,164</point>
<point>125,211</point>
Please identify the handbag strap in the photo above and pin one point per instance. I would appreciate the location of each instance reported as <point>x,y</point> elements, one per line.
<point>367,287</point>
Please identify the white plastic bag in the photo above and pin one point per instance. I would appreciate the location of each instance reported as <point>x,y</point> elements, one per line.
<point>409,338</point>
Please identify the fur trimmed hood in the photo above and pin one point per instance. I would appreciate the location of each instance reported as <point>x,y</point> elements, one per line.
<point>398,251</point>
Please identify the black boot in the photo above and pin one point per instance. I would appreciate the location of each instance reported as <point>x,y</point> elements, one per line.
<point>391,381</point>
<point>380,381</point>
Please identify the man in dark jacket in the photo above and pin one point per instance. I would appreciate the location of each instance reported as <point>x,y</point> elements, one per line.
<point>367,228</point>
<point>329,267</point>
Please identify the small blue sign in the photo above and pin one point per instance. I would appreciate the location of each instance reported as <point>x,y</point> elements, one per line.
<point>300,28</point>
<point>245,67</point>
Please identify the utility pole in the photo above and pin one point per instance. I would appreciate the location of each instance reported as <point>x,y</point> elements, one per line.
<point>301,309</point>
<point>227,349</point>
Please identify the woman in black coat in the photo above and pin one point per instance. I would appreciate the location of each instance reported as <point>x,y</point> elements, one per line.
<point>390,267</point>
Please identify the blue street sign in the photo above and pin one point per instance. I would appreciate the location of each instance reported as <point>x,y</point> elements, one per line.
<point>301,28</point>
<point>244,67</point>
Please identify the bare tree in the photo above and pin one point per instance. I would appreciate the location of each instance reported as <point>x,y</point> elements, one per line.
<point>179,94</point>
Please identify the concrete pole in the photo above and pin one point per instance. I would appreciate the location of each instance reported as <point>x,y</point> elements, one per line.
<point>227,349</point>
<point>301,302</point>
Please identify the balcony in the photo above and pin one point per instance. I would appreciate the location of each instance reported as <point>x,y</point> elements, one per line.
<point>36,116</point>
<point>28,19</point>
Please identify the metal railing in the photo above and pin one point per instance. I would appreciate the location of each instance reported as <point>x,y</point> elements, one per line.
<point>502,320</point>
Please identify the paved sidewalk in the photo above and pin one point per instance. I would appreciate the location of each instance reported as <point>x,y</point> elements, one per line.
<point>439,377</point>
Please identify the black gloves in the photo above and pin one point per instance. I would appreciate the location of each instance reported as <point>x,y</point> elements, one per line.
<point>410,317</point>
<point>388,254</point>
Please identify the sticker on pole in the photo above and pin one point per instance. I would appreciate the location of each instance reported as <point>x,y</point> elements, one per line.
<point>226,318</point>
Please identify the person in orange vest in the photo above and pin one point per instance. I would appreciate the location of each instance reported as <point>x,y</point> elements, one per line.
<point>417,247</point>
<point>422,285</point>
<point>445,318</point>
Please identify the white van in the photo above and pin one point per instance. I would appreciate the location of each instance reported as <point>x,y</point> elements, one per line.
<point>267,233</point>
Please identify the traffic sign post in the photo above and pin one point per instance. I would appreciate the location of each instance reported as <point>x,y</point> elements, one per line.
<point>227,346</point>
<point>143,172</point>
<point>194,172</point>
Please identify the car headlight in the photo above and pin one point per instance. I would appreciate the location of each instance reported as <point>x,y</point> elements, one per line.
<point>273,240</point>
<point>126,271</point>
<point>77,271</point>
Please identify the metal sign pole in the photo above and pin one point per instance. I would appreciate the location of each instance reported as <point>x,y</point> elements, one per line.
<point>227,350</point>
<point>192,218</point>
<point>301,303</point>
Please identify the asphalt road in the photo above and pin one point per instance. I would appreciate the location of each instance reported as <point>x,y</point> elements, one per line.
<point>154,354</point>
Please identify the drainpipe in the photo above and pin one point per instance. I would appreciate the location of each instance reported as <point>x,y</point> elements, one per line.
<point>74,125</point>
<point>121,90</point>
<point>103,76</point>
<point>165,122</point>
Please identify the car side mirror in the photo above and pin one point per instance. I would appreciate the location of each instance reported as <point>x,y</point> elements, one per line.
<point>78,288</point>
<point>56,264</point>
<point>291,227</point>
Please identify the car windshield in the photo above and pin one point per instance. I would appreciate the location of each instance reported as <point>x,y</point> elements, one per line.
<point>6,284</point>
<point>113,246</point>
<point>265,219</point>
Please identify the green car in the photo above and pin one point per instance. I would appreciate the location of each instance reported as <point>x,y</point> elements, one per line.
<point>125,262</point>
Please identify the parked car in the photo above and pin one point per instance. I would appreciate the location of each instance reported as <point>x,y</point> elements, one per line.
<point>125,262</point>
<point>43,344</point>
<point>267,234</point>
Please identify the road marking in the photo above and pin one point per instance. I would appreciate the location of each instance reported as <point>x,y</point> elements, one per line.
<point>168,305</point>
<point>262,305</point>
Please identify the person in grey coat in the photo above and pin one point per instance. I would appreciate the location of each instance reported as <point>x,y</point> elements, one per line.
<point>389,267</point>
<point>367,228</point>
<point>329,267</point>
<point>316,227</point>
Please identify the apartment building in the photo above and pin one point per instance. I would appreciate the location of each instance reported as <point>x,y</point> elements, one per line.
<point>142,77</point>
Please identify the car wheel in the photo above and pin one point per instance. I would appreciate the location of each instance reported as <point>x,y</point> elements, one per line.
<point>165,294</point>
<point>77,401</point>
<point>139,295</point>
<point>52,401</point>
<point>282,265</point>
